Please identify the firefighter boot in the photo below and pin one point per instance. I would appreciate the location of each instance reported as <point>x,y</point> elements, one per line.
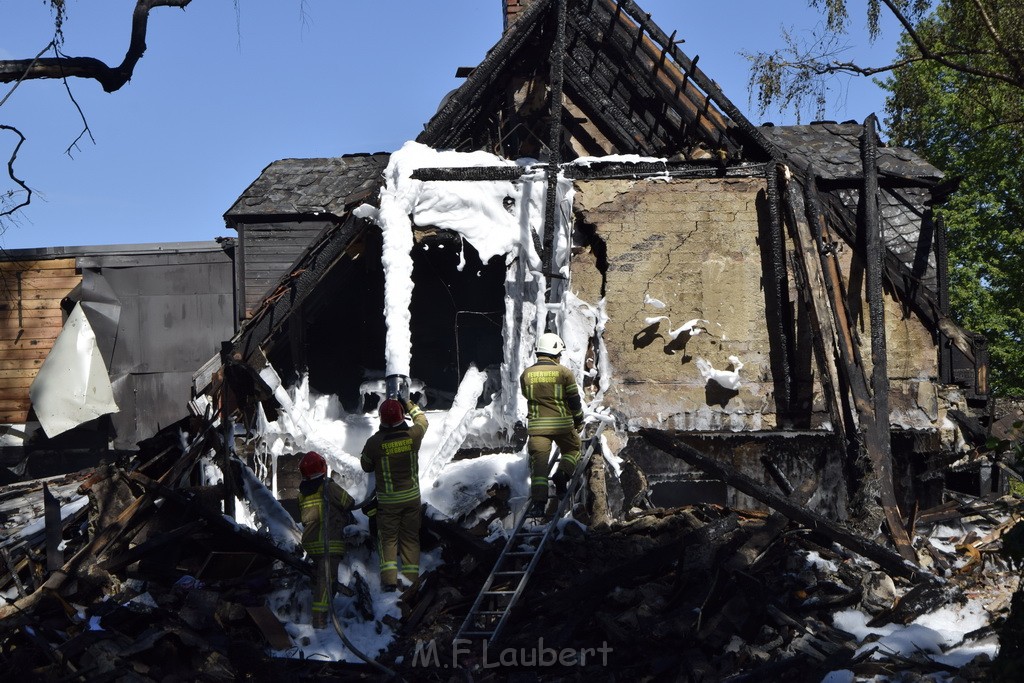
<point>561,480</point>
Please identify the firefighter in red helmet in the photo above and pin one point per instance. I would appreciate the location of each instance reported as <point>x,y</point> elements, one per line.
<point>324,507</point>
<point>392,454</point>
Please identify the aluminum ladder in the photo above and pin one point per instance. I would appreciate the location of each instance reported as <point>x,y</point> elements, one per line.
<point>507,581</point>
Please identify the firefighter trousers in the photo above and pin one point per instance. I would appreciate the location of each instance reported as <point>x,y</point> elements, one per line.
<point>325,573</point>
<point>539,447</point>
<point>398,535</point>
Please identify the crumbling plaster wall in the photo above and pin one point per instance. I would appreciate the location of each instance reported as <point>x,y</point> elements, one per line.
<point>693,245</point>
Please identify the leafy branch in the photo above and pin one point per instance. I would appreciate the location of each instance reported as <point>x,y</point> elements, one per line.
<point>789,76</point>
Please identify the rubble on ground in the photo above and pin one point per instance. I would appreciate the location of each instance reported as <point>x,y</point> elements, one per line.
<point>151,581</point>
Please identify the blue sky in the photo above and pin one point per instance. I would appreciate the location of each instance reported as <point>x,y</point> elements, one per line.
<point>220,94</point>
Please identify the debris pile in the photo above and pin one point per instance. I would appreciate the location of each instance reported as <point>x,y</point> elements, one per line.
<point>159,584</point>
<point>708,593</point>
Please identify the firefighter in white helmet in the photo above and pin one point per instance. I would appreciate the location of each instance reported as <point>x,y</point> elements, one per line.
<point>555,414</point>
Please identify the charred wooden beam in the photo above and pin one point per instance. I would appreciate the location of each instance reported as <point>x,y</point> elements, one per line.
<point>664,53</point>
<point>499,173</point>
<point>635,66</point>
<point>835,286</point>
<point>780,290</point>
<point>758,539</point>
<point>851,370</point>
<point>612,170</point>
<point>12,570</point>
<point>131,516</point>
<point>873,262</point>
<point>701,80</point>
<point>267,322</point>
<point>777,475</point>
<point>626,78</point>
<point>444,128</point>
<point>602,170</point>
<point>51,517</point>
<point>152,545</point>
<point>920,299</point>
<point>811,284</point>
<point>855,181</point>
<point>219,521</point>
<point>615,123</point>
<point>942,300</point>
<point>641,56</point>
<point>878,438</point>
<point>885,558</point>
<point>875,475</point>
<point>553,290</point>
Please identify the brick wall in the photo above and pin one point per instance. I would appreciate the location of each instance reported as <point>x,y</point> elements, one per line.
<point>512,10</point>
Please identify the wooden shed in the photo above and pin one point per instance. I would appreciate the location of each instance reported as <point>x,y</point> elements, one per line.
<point>32,286</point>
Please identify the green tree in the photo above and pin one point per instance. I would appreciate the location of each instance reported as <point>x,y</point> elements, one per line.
<point>972,127</point>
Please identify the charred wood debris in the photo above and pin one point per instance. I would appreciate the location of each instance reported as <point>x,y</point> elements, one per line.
<point>132,572</point>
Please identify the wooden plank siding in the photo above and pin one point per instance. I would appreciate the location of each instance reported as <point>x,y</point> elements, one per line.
<point>268,250</point>
<point>30,320</point>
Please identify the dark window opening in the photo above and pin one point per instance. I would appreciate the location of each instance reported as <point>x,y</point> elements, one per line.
<point>457,317</point>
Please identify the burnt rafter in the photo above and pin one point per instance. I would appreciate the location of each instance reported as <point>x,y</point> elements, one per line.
<point>449,125</point>
<point>604,112</point>
<point>920,299</point>
<point>553,293</point>
<point>295,287</point>
<point>600,170</point>
<point>660,85</point>
<point>650,98</point>
<point>629,79</point>
<point>694,74</point>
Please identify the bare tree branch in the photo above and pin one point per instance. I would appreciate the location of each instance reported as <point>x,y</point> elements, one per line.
<point>10,172</point>
<point>927,53</point>
<point>85,124</point>
<point>34,59</point>
<point>794,75</point>
<point>110,78</point>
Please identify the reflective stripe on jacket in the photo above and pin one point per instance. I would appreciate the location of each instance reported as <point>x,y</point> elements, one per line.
<point>323,525</point>
<point>553,399</point>
<point>392,454</point>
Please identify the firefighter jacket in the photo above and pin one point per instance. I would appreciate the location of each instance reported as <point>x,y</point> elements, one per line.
<point>323,506</point>
<point>392,454</point>
<point>553,399</point>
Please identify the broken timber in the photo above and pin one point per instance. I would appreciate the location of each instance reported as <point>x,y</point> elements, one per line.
<point>860,420</point>
<point>879,446</point>
<point>597,170</point>
<point>885,558</point>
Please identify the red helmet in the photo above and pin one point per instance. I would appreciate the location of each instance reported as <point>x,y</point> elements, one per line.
<point>312,465</point>
<point>392,413</point>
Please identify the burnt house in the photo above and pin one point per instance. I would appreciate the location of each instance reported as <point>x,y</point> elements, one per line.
<point>802,262</point>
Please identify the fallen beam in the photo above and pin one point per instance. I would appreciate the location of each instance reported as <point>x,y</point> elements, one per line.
<point>885,558</point>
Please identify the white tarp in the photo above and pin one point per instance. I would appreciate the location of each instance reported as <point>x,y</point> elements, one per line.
<point>72,386</point>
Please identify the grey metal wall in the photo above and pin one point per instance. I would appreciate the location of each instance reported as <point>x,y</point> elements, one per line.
<point>157,318</point>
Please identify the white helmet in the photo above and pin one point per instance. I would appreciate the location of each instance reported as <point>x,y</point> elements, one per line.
<point>550,344</point>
